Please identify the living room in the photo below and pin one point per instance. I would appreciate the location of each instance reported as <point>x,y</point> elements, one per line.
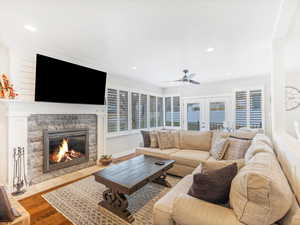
<point>157,113</point>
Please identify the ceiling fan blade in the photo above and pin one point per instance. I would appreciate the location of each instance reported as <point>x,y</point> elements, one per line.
<point>192,75</point>
<point>194,82</point>
<point>173,81</point>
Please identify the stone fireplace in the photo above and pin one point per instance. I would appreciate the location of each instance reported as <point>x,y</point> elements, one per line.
<point>65,148</point>
<point>24,123</point>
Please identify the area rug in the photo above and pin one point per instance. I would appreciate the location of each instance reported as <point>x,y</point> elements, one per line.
<point>78,202</point>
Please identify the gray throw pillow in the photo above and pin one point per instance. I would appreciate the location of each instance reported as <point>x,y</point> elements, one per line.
<point>146,138</point>
<point>214,186</point>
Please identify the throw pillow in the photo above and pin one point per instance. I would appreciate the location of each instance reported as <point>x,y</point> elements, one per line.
<point>176,139</point>
<point>219,148</point>
<point>237,148</point>
<point>215,185</point>
<point>165,140</point>
<point>153,140</point>
<point>146,138</point>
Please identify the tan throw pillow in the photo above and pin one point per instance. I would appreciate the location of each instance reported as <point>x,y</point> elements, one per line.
<point>244,134</point>
<point>237,148</point>
<point>153,140</point>
<point>195,140</point>
<point>165,140</point>
<point>260,193</point>
<point>219,148</point>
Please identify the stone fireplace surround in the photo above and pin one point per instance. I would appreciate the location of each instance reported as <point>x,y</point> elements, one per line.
<point>18,119</point>
<point>38,123</point>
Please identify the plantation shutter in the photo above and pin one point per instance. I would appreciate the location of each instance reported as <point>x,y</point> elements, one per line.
<point>168,111</point>
<point>249,109</point>
<point>143,113</point>
<point>135,110</point>
<point>256,102</point>
<point>112,110</point>
<point>176,111</point>
<point>152,111</point>
<point>123,110</point>
<point>160,112</point>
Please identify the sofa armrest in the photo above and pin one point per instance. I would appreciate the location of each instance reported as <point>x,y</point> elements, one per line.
<point>188,210</point>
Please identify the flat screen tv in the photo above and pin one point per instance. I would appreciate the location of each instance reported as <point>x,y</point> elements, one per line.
<point>64,82</point>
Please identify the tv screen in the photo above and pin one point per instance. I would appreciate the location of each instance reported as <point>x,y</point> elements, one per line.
<point>59,81</point>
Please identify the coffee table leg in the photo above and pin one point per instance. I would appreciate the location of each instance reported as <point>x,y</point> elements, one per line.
<point>162,180</point>
<point>117,203</point>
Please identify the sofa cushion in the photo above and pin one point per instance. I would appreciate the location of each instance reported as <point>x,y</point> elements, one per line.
<point>153,139</point>
<point>263,138</point>
<point>213,185</point>
<point>242,134</point>
<point>237,148</point>
<point>156,152</point>
<point>146,138</point>
<point>255,148</point>
<point>219,148</point>
<point>165,140</point>
<point>195,140</point>
<point>260,193</point>
<point>162,209</point>
<point>190,158</point>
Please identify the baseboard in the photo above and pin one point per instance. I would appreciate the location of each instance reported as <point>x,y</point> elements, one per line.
<point>121,154</point>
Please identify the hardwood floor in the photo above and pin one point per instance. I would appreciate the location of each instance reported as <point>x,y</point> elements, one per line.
<point>42,213</point>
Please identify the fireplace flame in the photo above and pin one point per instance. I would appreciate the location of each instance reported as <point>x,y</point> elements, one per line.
<point>62,153</point>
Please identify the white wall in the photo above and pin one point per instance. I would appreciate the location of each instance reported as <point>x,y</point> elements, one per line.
<point>4,59</point>
<point>228,87</point>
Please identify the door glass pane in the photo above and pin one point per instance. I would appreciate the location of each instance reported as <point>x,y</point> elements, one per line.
<point>216,115</point>
<point>168,111</point>
<point>193,116</point>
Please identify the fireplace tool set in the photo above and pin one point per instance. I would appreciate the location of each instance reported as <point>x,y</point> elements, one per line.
<point>19,176</point>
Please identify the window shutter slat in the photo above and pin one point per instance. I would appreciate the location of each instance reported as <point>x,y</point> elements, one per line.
<point>160,111</point>
<point>112,110</point>
<point>143,108</point>
<point>168,111</point>
<point>176,111</point>
<point>152,111</point>
<point>123,110</point>
<point>135,110</point>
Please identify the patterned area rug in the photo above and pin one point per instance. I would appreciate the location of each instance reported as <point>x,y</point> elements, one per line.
<point>79,202</point>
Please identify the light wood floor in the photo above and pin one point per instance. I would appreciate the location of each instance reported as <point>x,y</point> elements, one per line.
<point>42,213</point>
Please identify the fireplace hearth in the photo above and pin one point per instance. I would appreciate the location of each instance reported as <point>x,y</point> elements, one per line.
<point>65,148</point>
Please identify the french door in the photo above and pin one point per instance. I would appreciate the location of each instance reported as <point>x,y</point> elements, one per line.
<point>209,113</point>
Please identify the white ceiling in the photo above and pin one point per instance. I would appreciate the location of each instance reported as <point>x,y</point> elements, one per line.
<point>158,37</point>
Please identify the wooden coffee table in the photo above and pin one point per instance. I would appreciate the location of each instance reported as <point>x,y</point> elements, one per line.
<point>127,177</point>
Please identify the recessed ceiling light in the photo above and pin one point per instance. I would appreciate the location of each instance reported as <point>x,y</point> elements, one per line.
<point>30,28</point>
<point>210,49</point>
<point>134,67</point>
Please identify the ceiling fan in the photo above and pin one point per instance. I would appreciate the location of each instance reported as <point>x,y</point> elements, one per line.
<point>187,78</point>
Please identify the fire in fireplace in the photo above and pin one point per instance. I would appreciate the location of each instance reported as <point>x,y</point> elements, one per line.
<point>65,148</point>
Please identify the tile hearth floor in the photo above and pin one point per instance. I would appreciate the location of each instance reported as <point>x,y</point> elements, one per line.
<point>41,212</point>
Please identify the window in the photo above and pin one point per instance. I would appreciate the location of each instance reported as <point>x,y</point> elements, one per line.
<point>256,109</point>
<point>216,115</point>
<point>152,111</point>
<point>143,108</point>
<point>160,112</point>
<point>176,111</point>
<point>135,110</point>
<point>123,110</point>
<point>172,111</point>
<point>249,105</point>
<point>168,111</point>
<point>112,110</point>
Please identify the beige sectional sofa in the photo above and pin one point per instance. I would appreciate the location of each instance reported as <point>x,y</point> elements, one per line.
<point>177,207</point>
<point>193,150</point>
